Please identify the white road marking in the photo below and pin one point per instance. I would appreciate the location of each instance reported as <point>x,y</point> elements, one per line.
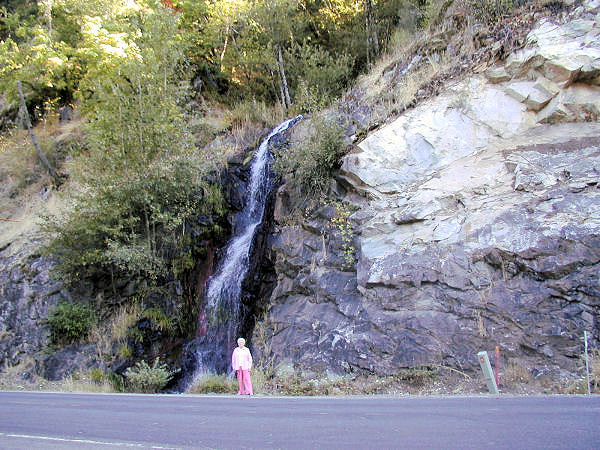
<point>84,441</point>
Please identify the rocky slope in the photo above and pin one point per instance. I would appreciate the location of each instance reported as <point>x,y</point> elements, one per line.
<point>476,222</point>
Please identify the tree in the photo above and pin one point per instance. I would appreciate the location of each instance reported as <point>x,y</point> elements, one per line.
<point>371,31</point>
<point>142,179</point>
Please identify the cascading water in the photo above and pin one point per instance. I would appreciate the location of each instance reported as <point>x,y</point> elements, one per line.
<point>223,308</point>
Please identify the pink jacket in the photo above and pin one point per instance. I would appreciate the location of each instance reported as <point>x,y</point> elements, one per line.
<point>241,358</point>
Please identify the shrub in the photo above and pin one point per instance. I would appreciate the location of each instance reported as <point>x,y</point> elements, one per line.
<point>148,379</point>
<point>97,376</point>
<point>134,226</point>
<point>311,163</point>
<point>117,382</point>
<point>341,223</point>
<point>321,76</point>
<point>125,351</point>
<point>70,322</point>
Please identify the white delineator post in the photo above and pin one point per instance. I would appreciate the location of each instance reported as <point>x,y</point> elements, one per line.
<point>488,374</point>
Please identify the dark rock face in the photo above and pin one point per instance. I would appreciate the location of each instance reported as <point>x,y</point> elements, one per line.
<point>70,359</point>
<point>26,295</point>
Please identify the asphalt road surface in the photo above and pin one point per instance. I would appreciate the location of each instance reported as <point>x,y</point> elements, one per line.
<point>32,420</point>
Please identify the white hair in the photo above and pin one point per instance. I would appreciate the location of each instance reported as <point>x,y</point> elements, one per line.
<point>241,341</point>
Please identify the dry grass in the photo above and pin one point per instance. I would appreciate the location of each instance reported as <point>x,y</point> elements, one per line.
<point>26,189</point>
<point>22,377</point>
<point>83,383</point>
<point>213,384</point>
<point>594,364</point>
<point>114,331</point>
<point>516,373</point>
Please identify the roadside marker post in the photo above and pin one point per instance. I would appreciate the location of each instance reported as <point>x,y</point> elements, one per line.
<point>497,366</point>
<point>587,365</point>
<point>488,374</point>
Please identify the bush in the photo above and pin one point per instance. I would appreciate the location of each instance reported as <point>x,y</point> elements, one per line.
<point>321,75</point>
<point>134,226</point>
<point>311,163</point>
<point>148,379</point>
<point>160,320</point>
<point>97,376</point>
<point>70,322</point>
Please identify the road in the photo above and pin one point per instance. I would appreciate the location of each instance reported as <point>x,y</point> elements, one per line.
<point>33,420</point>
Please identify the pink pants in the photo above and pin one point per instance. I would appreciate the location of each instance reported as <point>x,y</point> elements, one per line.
<point>244,381</point>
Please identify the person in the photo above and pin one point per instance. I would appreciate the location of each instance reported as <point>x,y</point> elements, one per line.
<point>241,361</point>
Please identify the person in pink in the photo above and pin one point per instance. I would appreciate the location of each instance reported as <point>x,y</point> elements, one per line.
<point>241,361</point>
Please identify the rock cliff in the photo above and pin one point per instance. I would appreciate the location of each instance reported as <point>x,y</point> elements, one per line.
<point>475,218</point>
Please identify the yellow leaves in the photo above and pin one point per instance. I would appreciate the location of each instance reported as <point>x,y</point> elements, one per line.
<point>96,35</point>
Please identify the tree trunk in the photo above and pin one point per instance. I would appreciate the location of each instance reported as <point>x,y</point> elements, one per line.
<point>279,99</point>
<point>372,38</point>
<point>224,48</point>
<point>38,149</point>
<point>286,91</point>
<point>48,15</point>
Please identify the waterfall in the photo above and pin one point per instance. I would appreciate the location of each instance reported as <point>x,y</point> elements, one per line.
<point>223,309</point>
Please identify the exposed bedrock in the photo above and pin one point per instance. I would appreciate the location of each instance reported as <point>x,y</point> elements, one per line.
<point>478,225</point>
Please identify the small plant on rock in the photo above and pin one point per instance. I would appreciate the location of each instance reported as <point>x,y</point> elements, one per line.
<point>70,322</point>
<point>489,11</point>
<point>341,223</point>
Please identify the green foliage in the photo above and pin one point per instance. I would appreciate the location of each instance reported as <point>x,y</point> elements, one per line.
<point>59,47</point>
<point>310,164</point>
<point>70,322</point>
<point>148,379</point>
<point>97,375</point>
<point>117,382</point>
<point>125,351</point>
<point>135,226</point>
<point>160,320</point>
<point>321,76</point>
